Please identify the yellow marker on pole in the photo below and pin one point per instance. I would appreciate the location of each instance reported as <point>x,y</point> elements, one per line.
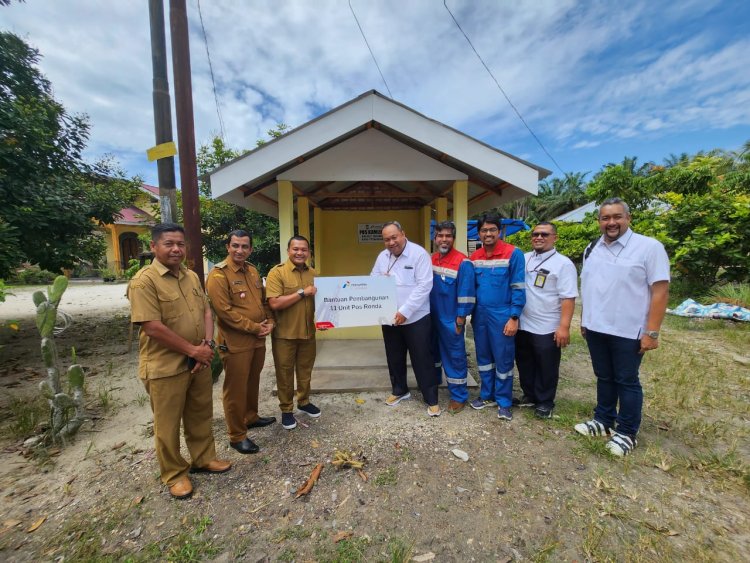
<point>165,150</point>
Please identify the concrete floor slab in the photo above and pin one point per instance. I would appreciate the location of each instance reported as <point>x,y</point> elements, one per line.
<point>346,366</point>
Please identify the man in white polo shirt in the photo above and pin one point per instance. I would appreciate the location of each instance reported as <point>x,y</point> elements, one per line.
<point>411,330</point>
<point>625,287</point>
<point>544,325</point>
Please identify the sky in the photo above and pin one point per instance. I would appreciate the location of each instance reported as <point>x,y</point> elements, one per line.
<point>595,81</point>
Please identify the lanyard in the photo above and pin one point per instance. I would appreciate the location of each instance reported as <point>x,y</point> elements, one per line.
<point>542,262</point>
<point>390,266</point>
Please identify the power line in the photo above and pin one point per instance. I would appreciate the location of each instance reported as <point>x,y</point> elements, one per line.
<point>211,68</point>
<point>369,49</point>
<point>518,113</point>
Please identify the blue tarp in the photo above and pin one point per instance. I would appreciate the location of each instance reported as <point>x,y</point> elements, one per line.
<point>509,227</point>
<point>690,308</point>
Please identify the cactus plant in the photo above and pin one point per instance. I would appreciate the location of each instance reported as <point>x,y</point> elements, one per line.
<point>67,412</point>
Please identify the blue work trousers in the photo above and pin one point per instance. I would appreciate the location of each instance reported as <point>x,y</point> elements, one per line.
<point>449,353</point>
<point>495,354</point>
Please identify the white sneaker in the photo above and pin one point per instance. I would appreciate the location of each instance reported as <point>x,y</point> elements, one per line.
<point>434,410</point>
<point>592,428</point>
<point>393,400</point>
<point>621,445</point>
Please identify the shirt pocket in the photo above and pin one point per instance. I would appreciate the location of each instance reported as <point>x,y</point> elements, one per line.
<point>446,286</point>
<point>239,293</point>
<point>169,303</point>
<point>498,277</point>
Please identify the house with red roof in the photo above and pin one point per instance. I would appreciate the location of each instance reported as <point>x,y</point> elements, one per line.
<point>123,244</point>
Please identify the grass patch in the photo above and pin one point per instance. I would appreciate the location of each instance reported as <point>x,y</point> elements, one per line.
<point>732,293</point>
<point>25,415</point>
<point>142,399</point>
<point>291,533</point>
<point>387,477</point>
<point>400,550</point>
<point>351,550</point>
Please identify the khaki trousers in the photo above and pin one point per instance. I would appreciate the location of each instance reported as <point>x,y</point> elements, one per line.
<point>185,397</point>
<point>291,355</point>
<point>240,393</point>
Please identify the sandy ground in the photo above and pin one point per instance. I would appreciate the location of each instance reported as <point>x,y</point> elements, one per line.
<point>530,490</point>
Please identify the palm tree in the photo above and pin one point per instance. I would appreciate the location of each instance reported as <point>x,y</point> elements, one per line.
<point>630,164</point>
<point>560,195</point>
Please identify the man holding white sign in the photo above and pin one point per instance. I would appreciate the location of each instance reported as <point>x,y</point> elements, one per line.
<point>411,266</point>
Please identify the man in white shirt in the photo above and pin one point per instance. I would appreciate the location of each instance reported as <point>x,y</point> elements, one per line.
<point>544,325</point>
<point>625,288</point>
<point>410,264</point>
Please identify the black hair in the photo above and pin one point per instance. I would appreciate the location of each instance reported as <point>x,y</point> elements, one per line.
<point>239,233</point>
<point>446,226</point>
<point>490,218</point>
<point>158,230</point>
<point>297,237</point>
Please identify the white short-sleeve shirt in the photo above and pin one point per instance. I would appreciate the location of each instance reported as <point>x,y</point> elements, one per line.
<point>616,284</point>
<point>550,277</point>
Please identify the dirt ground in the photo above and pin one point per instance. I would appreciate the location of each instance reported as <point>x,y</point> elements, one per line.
<point>530,490</point>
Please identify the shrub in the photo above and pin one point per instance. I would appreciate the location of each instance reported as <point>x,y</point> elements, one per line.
<point>35,276</point>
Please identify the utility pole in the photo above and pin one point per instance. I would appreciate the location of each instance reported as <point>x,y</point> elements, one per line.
<point>162,111</point>
<point>183,94</point>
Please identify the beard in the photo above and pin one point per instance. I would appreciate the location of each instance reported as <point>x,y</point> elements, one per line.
<point>444,250</point>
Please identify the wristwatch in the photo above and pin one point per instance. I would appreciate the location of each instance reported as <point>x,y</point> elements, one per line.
<point>514,317</point>
<point>652,334</point>
<point>301,293</point>
<point>211,343</point>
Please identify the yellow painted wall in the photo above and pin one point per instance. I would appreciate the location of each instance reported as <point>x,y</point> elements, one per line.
<point>343,255</point>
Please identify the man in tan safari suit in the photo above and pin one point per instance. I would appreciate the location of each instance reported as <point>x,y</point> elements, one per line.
<point>175,352</point>
<point>291,294</point>
<point>237,297</point>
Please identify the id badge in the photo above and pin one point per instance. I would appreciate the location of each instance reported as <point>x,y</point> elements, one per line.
<point>541,278</point>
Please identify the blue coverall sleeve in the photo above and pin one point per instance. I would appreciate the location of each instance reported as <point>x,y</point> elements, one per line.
<point>467,291</point>
<point>517,282</point>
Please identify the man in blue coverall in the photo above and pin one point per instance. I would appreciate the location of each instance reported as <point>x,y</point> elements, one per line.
<point>499,269</point>
<point>451,301</point>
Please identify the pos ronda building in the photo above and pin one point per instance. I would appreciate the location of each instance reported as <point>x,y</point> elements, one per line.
<point>337,178</point>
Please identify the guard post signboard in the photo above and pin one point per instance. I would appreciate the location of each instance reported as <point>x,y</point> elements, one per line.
<point>355,301</point>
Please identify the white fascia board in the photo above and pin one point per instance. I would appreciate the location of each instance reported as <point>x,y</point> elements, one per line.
<point>371,156</point>
<point>259,205</point>
<point>290,147</point>
<point>455,145</point>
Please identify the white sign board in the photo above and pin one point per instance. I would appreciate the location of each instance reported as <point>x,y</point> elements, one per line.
<point>370,232</point>
<point>355,301</point>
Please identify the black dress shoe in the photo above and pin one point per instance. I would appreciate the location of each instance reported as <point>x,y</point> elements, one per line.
<point>262,421</point>
<point>246,446</point>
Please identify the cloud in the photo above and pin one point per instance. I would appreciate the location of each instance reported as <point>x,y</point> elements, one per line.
<point>581,74</point>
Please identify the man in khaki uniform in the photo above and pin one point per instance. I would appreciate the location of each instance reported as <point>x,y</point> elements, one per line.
<point>175,352</point>
<point>236,293</point>
<point>290,292</point>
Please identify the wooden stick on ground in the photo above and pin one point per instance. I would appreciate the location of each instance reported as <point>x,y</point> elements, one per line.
<point>310,483</point>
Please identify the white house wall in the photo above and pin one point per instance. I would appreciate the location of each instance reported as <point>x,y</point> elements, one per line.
<point>371,155</point>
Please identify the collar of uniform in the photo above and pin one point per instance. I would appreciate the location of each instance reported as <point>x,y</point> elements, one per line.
<point>163,270</point>
<point>622,241</point>
<point>404,252</point>
<point>291,266</point>
<point>234,267</point>
<point>495,251</point>
<point>549,252</point>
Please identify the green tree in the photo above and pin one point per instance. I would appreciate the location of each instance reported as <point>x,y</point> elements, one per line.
<point>50,200</point>
<point>559,195</point>
<point>220,217</point>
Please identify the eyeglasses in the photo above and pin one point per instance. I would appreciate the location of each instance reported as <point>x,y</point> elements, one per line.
<point>486,231</point>
<point>543,235</point>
